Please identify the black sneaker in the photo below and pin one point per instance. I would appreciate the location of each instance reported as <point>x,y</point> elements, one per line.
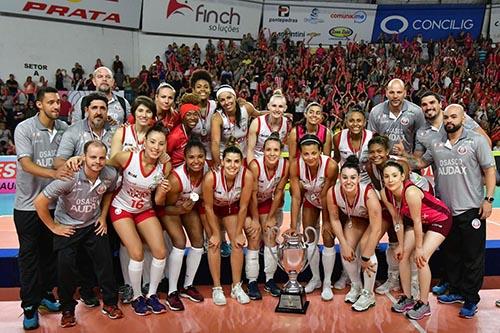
<point>90,302</point>
<point>253,291</point>
<point>272,288</point>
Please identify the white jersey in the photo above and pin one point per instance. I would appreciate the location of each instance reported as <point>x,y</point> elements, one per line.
<point>185,182</point>
<point>203,128</point>
<point>231,130</point>
<point>267,183</point>
<point>224,196</point>
<point>346,150</point>
<point>134,195</point>
<point>264,131</point>
<point>130,139</point>
<point>421,182</point>
<point>359,208</point>
<point>313,187</point>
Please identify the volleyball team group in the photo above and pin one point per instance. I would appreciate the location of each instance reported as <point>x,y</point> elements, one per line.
<point>214,169</point>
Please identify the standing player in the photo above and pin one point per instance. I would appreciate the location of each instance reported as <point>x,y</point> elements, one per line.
<point>180,214</point>
<point>134,219</point>
<point>226,194</point>
<point>311,175</point>
<point>80,221</point>
<point>270,177</point>
<point>36,140</point>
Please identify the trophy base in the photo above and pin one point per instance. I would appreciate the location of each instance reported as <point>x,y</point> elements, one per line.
<point>292,303</point>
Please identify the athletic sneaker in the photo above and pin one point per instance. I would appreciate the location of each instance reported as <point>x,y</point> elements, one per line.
<point>326,293</point>
<point>497,303</point>
<point>391,284</point>
<point>353,294</point>
<point>140,306</point>
<point>225,249</point>
<point>51,305</point>
<point>30,320</point>
<point>312,285</point>
<point>126,294</point>
<point>238,294</point>
<point>419,311</point>
<point>174,301</point>
<point>272,288</point>
<point>365,301</point>
<point>192,294</point>
<point>343,281</point>
<point>90,302</point>
<point>403,305</point>
<point>468,310</point>
<point>155,305</point>
<point>253,291</point>
<point>112,311</point>
<point>450,299</point>
<point>218,296</point>
<point>440,289</point>
<point>68,319</point>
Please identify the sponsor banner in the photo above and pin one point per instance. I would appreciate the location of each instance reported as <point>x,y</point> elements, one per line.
<point>211,19</point>
<point>320,22</point>
<point>118,13</point>
<point>7,174</point>
<point>431,21</point>
<point>495,23</point>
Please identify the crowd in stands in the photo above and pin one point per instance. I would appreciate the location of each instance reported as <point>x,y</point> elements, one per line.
<point>462,70</point>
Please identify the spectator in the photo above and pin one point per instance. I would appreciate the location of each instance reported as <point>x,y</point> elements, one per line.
<point>117,64</point>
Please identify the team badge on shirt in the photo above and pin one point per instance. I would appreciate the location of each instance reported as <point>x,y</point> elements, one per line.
<point>101,189</point>
<point>404,121</point>
<point>462,150</point>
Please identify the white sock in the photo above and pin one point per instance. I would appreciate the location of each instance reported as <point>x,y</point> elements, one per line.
<point>135,273</point>
<point>157,267</point>
<point>252,265</point>
<point>370,281</point>
<point>313,256</point>
<point>124,261</point>
<point>414,272</point>
<point>270,265</point>
<point>146,272</point>
<point>169,246</point>
<point>192,263</point>
<point>328,261</point>
<point>352,270</point>
<point>174,268</point>
<point>392,263</point>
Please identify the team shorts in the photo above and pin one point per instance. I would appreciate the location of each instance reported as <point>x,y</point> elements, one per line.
<point>116,214</point>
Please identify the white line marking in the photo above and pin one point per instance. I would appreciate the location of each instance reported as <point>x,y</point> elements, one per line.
<point>415,324</point>
<point>495,223</point>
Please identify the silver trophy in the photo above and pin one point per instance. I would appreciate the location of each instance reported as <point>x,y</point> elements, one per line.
<point>292,259</point>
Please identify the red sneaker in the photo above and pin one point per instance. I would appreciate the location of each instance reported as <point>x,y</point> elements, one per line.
<point>112,311</point>
<point>192,293</point>
<point>174,302</point>
<point>68,319</point>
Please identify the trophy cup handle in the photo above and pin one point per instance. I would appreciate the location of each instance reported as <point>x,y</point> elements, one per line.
<point>308,242</point>
<point>269,232</point>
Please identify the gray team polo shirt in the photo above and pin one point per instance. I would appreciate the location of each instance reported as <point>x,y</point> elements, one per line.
<point>78,200</point>
<point>34,140</point>
<point>459,170</point>
<point>77,135</point>
<point>115,110</point>
<point>400,128</point>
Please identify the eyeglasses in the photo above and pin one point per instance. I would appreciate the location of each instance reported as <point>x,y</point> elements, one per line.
<point>165,85</point>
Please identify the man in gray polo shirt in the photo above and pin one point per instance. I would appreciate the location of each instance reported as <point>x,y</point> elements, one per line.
<point>461,159</point>
<point>118,107</point>
<point>397,118</point>
<point>80,221</point>
<point>93,127</point>
<point>37,139</point>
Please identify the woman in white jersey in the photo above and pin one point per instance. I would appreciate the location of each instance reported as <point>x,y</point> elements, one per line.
<point>311,175</point>
<point>352,141</point>
<point>262,126</point>
<point>179,211</point>
<point>230,123</point>
<point>270,173</point>
<point>226,195</point>
<point>201,83</point>
<point>356,206</point>
<point>379,154</point>
<point>134,218</point>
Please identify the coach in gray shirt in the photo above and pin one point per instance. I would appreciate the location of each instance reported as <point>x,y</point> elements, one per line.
<point>80,221</point>
<point>397,118</point>
<point>93,127</point>
<point>36,140</point>
<point>461,159</point>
